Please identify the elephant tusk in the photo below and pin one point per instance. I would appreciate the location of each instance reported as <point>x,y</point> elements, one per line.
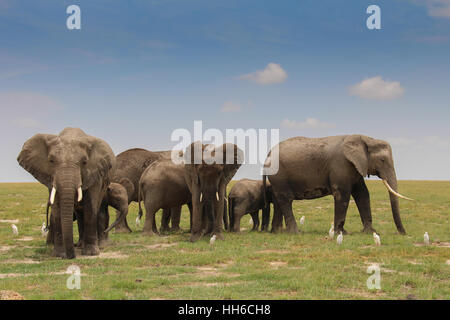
<point>201,196</point>
<point>80,194</point>
<point>52,195</point>
<point>394,192</point>
<point>217,196</point>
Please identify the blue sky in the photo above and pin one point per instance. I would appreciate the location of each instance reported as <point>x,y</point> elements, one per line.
<point>137,70</point>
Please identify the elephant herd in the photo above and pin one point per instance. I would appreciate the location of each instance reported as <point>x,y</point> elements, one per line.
<point>84,178</point>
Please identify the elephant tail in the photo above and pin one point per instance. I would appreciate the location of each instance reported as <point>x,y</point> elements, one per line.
<point>231,212</point>
<point>139,202</point>
<point>266,203</point>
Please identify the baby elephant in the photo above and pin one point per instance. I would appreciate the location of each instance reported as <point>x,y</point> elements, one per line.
<point>248,196</point>
<point>162,186</point>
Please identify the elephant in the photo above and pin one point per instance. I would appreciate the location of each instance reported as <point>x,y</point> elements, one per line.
<point>249,196</point>
<point>162,186</point>
<point>76,168</point>
<point>311,168</point>
<point>208,170</point>
<point>130,166</point>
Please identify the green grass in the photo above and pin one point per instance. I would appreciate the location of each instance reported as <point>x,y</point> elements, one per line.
<point>250,265</point>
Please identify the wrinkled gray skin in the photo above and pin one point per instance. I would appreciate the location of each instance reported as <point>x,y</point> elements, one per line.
<point>116,196</point>
<point>68,161</point>
<point>247,196</point>
<point>311,168</point>
<point>207,180</point>
<point>130,166</point>
<point>162,186</point>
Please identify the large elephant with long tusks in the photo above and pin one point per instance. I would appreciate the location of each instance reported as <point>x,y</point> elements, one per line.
<point>310,168</point>
<point>76,168</point>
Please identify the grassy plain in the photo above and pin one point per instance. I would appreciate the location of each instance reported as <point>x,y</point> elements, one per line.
<point>249,265</point>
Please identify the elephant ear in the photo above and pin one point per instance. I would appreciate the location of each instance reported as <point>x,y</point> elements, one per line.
<point>233,157</point>
<point>34,157</point>
<point>101,161</point>
<point>355,150</point>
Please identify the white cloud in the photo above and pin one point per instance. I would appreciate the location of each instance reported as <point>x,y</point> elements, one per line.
<point>273,73</point>
<point>231,107</point>
<point>378,89</point>
<point>310,123</point>
<point>438,8</point>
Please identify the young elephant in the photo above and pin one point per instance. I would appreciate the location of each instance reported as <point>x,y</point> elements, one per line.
<point>247,196</point>
<point>162,186</point>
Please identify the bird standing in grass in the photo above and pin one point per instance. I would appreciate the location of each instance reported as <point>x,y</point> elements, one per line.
<point>15,230</point>
<point>377,239</point>
<point>340,238</point>
<point>212,240</point>
<point>138,221</point>
<point>44,230</point>
<point>426,238</point>
<point>331,231</point>
<point>302,220</point>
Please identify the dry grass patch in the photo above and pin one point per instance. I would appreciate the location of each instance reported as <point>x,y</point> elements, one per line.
<point>10,295</point>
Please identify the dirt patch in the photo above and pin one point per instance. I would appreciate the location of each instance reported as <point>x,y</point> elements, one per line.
<point>5,248</point>
<point>436,244</point>
<point>160,245</point>
<point>277,264</point>
<point>209,284</point>
<point>273,251</point>
<point>10,221</point>
<point>414,262</point>
<point>10,295</point>
<point>104,255</point>
<point>25,261</point>
<point>362,293</point>
<point>447,262</point>
<point>26,239</point>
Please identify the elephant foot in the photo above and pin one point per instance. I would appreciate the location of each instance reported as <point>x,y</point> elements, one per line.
<point>148,233</point>
<point>195,236</point>
<point>79,244</point>
<point>401,231</point>
<point>122,229</point>
<point>90,250</point>
<point>368,230</point>
<point>220,236</point>
<point>103,242</point>
<point>175,229</point>
<point>63,254</point>
<point>164,229</point>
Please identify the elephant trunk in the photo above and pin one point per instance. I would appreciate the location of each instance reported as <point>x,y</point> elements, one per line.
<point>392,181</point>
<point>68,187</point>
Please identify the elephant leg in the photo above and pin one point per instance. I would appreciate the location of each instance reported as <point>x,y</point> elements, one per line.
<point>197,216</point>
<point>80,222</point>
<point>150,223</point>
<point>238,213</point>
<point>255,218</point>
<point>285,206</point>
<point>225,217</point>
<point>51,234</point>
<point>55,222</point>
<point>190,215</point>
<point>165,220</point>
<point>175,217</point>
<point>219,213</point>
<point>102,224</point>
<point>122,226</point>
<point>265,218</point>
<point>91,206</point>
<point>277,219</point>
<point>341,201</point>
<point>362,200</point>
